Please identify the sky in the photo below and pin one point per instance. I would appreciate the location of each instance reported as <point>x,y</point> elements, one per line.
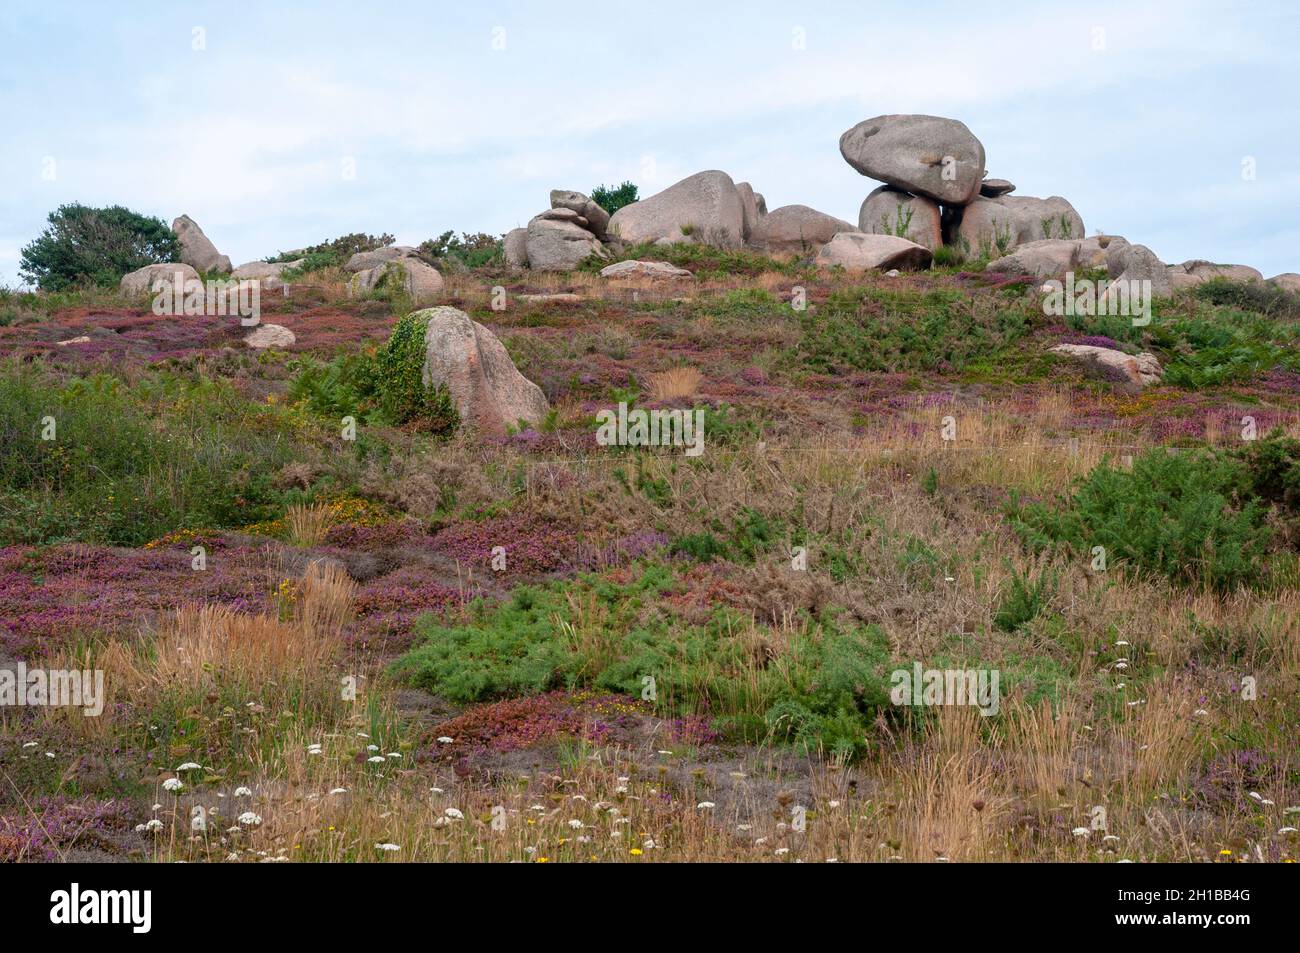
<point>1176,125</point>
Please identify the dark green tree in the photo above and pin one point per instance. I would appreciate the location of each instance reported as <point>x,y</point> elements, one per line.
<point>84,245</point>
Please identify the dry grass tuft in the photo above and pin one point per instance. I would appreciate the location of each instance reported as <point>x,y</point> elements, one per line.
<point>308,524</point>
<point>677,383</point>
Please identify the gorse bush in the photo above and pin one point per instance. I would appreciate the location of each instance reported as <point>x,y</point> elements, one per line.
<point>613,199</point>
<point>1022,601</point>
<point>1183,516</point>
<point>334,253</point>
<point>822,690</point>
<point>95,246</point>
<point>468,251</point>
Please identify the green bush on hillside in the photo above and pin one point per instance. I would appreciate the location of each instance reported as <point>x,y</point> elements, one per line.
<point>95,246</point>
<point>1186,516</point>
<point>388,383</point>
<point>824,691</point>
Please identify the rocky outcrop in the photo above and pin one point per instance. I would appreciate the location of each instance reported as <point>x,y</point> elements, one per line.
<point>420,281</point>
<point>750,209</point>
<point>796,229</point>
<point>1109,364</point>
<point>486,388</point>
<point>705,207</point>
<point>365,260</point>
<point>197,250</point>
<point>515,247</point>
<point>1287,281</point>
<point>1191,273</point>
<point>270,274</point>
<point>654,272</point>
<point>990,228</point>
<point>597,219</point>
<point>889,211</point>
<point>142,280</point>
<point>860,251</point>
<point>925,155</point>
<point>555,241</point>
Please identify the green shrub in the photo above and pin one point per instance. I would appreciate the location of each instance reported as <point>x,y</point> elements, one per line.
<point>613,199</point>
<point>877,329</point>
<point>128,465</point>
<point>95,246</point>
<point>398,381</point>
<point>341,388</point>
<point>1022,601</point>
<point>1257,296</point>
<point>469,251</point>
<point>1177,515</point>
<point>823,691</point>
<point>333,253</point>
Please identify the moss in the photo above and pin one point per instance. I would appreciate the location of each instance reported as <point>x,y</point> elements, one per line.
<point>399,385</point>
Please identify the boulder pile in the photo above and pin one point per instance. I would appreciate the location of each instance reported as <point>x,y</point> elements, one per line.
<point>936,193</point>
<point>562,237</point>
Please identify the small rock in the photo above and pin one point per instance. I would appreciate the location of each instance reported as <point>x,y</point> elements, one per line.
<point>270,336</point>
<point>1137,370</point>
<point>654,271</point>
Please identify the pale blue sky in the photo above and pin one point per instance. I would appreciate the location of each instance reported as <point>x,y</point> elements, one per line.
<point>1139,113</point>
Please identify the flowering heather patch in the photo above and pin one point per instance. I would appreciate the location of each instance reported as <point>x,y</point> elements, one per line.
<point>388,606</point>
<point>384,536</point>
<point>521,722</point>
<point>58,823</point>
<point>1092,340</point>
<point>532,544</point>
<point>50,595</point>
<point>622,551</point>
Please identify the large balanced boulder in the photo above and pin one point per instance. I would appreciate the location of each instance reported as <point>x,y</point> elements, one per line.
<point>597,218</point>
<point>365,260</point>
<point>859,251</point>
<point>142,280</point>
<point>795,229</point>
<point>992,227</point>
<point>197,250</point>
<point>554,242</point>
<point>1109,364</point>
<point>486,388</point>
<point>420,281</point>
<point>706,207</point>
<point>925,155</point>
<point>515,247</point>
<point>889,211</point>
